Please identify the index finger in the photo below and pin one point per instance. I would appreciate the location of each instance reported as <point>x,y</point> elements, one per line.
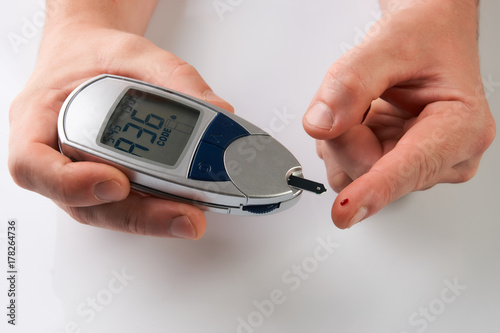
<point>441,147</point>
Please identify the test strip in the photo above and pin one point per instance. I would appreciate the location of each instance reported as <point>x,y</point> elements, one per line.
<point>306,184</point>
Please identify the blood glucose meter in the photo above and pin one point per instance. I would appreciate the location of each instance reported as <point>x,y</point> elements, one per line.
<point>175,146</point>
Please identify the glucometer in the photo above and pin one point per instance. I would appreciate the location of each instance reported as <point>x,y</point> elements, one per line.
<point>175,146</point>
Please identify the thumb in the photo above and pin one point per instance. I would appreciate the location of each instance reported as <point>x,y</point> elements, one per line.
<point>356,79</point>
<point>155,65</point>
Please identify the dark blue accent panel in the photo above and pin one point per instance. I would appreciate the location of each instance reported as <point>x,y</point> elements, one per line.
<point>223,130</point>
<point>208,164</point>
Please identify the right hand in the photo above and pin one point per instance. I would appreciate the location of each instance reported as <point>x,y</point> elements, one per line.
<point>92,193</point>
<point>429,120</point>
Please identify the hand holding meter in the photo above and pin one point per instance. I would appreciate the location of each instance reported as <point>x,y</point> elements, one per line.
<point>178,147</point>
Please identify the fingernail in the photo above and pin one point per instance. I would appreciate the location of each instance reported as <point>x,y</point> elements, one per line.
<point>108,191</point>
<point>181,227</point>
<point>358,217</point>
<point>320,115</point>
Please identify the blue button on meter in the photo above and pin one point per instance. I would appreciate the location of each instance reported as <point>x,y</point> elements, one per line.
<point>223,130</point>
<point>208,163</point>
<point>178,147</point>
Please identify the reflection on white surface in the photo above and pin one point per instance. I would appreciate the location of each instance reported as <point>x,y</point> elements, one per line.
<point>427,263</point>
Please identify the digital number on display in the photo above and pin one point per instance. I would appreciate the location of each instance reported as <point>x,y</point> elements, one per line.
<point>151,127</point>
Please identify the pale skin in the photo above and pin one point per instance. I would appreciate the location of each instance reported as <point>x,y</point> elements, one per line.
<point>429,121</point>
<point>81,40</point>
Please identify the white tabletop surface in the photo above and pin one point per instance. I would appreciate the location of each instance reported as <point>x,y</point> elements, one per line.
<point>429,262</point>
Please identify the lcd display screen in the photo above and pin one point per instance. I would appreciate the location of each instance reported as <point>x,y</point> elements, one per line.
<point>151,127</point>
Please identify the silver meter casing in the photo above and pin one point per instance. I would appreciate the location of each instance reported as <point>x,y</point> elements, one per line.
<point>256,166</point>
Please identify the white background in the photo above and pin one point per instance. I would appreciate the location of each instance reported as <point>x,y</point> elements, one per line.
<point>263,57</point>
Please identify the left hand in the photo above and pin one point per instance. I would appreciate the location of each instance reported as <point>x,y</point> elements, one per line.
<point>92,193</point>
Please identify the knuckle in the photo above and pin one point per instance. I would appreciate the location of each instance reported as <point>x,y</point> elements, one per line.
<point>17,171</point>
<point>342,77</point>
<point>128,221</point>
<point>63,190</point>
<point>64,193</point>
<point>170,68</point>
<point>351,74</point>
<point>478,122</point>
<point>83,215</point>
<point>487,135</point>
<point>422,166</point>
<point>466,175</point>
<point>429,170</point>
<point>133,222</point>
<point>180,68</point>
<point>339,181</point>
<point>390,184</point>
<point>465,171</point>
<point>15,107</point>
<point>337,189</point>
<point>319,148</point>
<point>131,217</point>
